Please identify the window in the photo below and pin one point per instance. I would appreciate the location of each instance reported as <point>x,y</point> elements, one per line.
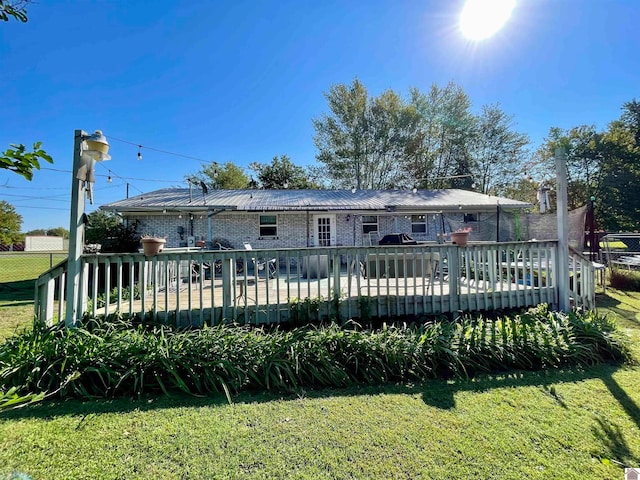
<point>369,223</point>
<point>419,224</point>
<point>268,226</point>
<point>470,217</point>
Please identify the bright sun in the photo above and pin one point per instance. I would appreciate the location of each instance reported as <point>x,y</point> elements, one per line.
<point>480,19</point>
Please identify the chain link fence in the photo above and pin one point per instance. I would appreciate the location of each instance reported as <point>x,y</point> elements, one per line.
<point>19,270</point>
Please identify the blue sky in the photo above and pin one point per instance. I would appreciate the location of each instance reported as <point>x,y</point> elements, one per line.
<point>241,81</point>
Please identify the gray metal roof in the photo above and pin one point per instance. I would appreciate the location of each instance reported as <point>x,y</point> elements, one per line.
<point>178,199</point>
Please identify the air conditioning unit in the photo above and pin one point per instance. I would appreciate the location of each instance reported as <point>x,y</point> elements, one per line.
<point>191,241</point>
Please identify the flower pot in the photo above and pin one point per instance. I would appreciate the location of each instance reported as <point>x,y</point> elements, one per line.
<point>460,238</point>
<point>152,246</point>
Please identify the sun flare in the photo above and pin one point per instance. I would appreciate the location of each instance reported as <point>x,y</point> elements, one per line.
<point>480,19</point>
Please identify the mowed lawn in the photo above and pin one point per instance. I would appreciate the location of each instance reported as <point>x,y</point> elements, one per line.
<point>582,424</point>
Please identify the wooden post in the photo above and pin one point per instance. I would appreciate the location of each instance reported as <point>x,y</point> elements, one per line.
<point>563,234</point>
<point>76,236</point>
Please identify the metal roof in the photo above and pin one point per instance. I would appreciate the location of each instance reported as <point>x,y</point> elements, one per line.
<point>179,199</point>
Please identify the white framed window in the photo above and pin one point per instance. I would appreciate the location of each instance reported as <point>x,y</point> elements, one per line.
<point>268,226</point>
<point>419,224</point>
<point>369,224</point>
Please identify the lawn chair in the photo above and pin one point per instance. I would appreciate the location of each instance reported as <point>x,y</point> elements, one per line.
<point>270,266</point>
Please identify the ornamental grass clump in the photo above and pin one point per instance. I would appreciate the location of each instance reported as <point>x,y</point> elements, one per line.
<point>109,358</point>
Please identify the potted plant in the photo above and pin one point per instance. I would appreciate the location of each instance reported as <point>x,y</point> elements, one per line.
<point>152,245</point>
<point>460,236</point>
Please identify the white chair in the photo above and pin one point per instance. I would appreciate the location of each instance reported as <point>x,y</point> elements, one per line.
<point>260,264</point>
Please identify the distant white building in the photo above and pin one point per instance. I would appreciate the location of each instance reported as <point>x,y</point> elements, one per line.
<point>44,243</point>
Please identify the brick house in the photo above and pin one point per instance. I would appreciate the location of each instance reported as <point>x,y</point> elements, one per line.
<point>299,218</point>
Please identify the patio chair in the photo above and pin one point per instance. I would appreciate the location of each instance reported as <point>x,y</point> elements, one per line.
<point>270,266</point>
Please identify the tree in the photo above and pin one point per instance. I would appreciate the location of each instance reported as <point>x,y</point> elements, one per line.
<point>99,225</point>
<point>604,165</point>
<point>18,160</point>
<point>282,173</point>
<point>51,232</point>
<point>443,136</point>
<point>10,223</point>
<point>363,141</point>
<point>496,150</point>
<point>14,8</point>
<point>339,136</point>
<point>227,177</point>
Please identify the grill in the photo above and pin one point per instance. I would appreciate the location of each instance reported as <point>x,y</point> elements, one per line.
<point>397,239</point>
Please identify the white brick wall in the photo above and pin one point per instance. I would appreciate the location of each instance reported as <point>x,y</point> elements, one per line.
<point>293,228</point>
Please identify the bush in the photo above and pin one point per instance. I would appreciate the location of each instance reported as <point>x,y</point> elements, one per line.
<point>625,280</point>
<point>107,358</point>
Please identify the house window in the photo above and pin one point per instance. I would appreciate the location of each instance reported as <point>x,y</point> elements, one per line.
<point>268,226</point>
<point>470,217</point>
<point>419,224</point>
<point>369,223</point>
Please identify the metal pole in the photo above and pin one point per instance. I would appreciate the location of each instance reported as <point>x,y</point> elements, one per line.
<point>76,235</point>
<point>563,234</point>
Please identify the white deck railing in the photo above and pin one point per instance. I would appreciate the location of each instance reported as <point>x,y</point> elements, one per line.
<point>193,288</point>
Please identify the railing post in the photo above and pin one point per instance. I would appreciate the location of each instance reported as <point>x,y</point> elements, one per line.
<point>453,261</point>
<point>228,278</point>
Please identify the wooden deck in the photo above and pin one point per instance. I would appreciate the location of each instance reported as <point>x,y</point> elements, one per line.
<point>355,282</point>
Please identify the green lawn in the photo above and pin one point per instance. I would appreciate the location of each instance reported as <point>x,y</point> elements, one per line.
<point>18,272</point>
<point>557,424</point>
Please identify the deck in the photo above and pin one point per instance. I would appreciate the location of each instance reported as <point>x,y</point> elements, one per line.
<point>193,288</point>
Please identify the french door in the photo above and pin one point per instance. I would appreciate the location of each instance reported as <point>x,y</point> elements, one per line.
<point>325,230</point>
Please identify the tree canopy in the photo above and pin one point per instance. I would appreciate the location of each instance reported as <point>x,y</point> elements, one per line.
<point>227,176</point>
<point>430,140</point>
<point>604,165</point>
<point>10,223</point>
<point>51,232</point>
<point>283,173</point>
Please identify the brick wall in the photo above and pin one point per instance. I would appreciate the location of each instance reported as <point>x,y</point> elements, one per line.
<point>294,229</point>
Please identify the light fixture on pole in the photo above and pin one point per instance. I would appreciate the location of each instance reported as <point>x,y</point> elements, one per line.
<point>87,149</point>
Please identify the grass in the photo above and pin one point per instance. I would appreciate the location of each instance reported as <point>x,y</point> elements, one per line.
<point>581,423</point>
<point>18,273</point>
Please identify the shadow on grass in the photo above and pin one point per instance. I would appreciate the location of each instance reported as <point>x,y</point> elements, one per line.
<point>626,312</point>
<point>17,293</point>
<point>437,393</point>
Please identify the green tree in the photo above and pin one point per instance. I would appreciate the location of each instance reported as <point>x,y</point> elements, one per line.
<point>14,8</point>
<point>52,232</point>
<point>605,165</point>
<point>339,135</point>
<point>443,137</point>
<point>282,173</point>
<point>17,159</point>
<point>10,223</point>
<point>363,141</point>
<point>228,176</point>
<point>99,225</point>
<point>497,150</point>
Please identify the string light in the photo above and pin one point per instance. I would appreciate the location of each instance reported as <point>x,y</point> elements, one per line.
<point>109,179</point>
<point>139,153</point>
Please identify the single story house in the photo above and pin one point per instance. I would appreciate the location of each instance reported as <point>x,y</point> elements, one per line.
<point>307,218</point>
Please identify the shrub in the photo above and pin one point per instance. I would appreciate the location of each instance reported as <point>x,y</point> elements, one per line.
<point>625,280</point>
<point>125,357</point>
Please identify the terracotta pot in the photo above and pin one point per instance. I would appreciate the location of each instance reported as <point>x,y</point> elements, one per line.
<point>459,238</point>
<point>152,246</point>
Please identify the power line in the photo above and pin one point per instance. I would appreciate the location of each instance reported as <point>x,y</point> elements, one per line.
<point>45,208</point>
<point>159,150</point>
<point>123,178</point>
